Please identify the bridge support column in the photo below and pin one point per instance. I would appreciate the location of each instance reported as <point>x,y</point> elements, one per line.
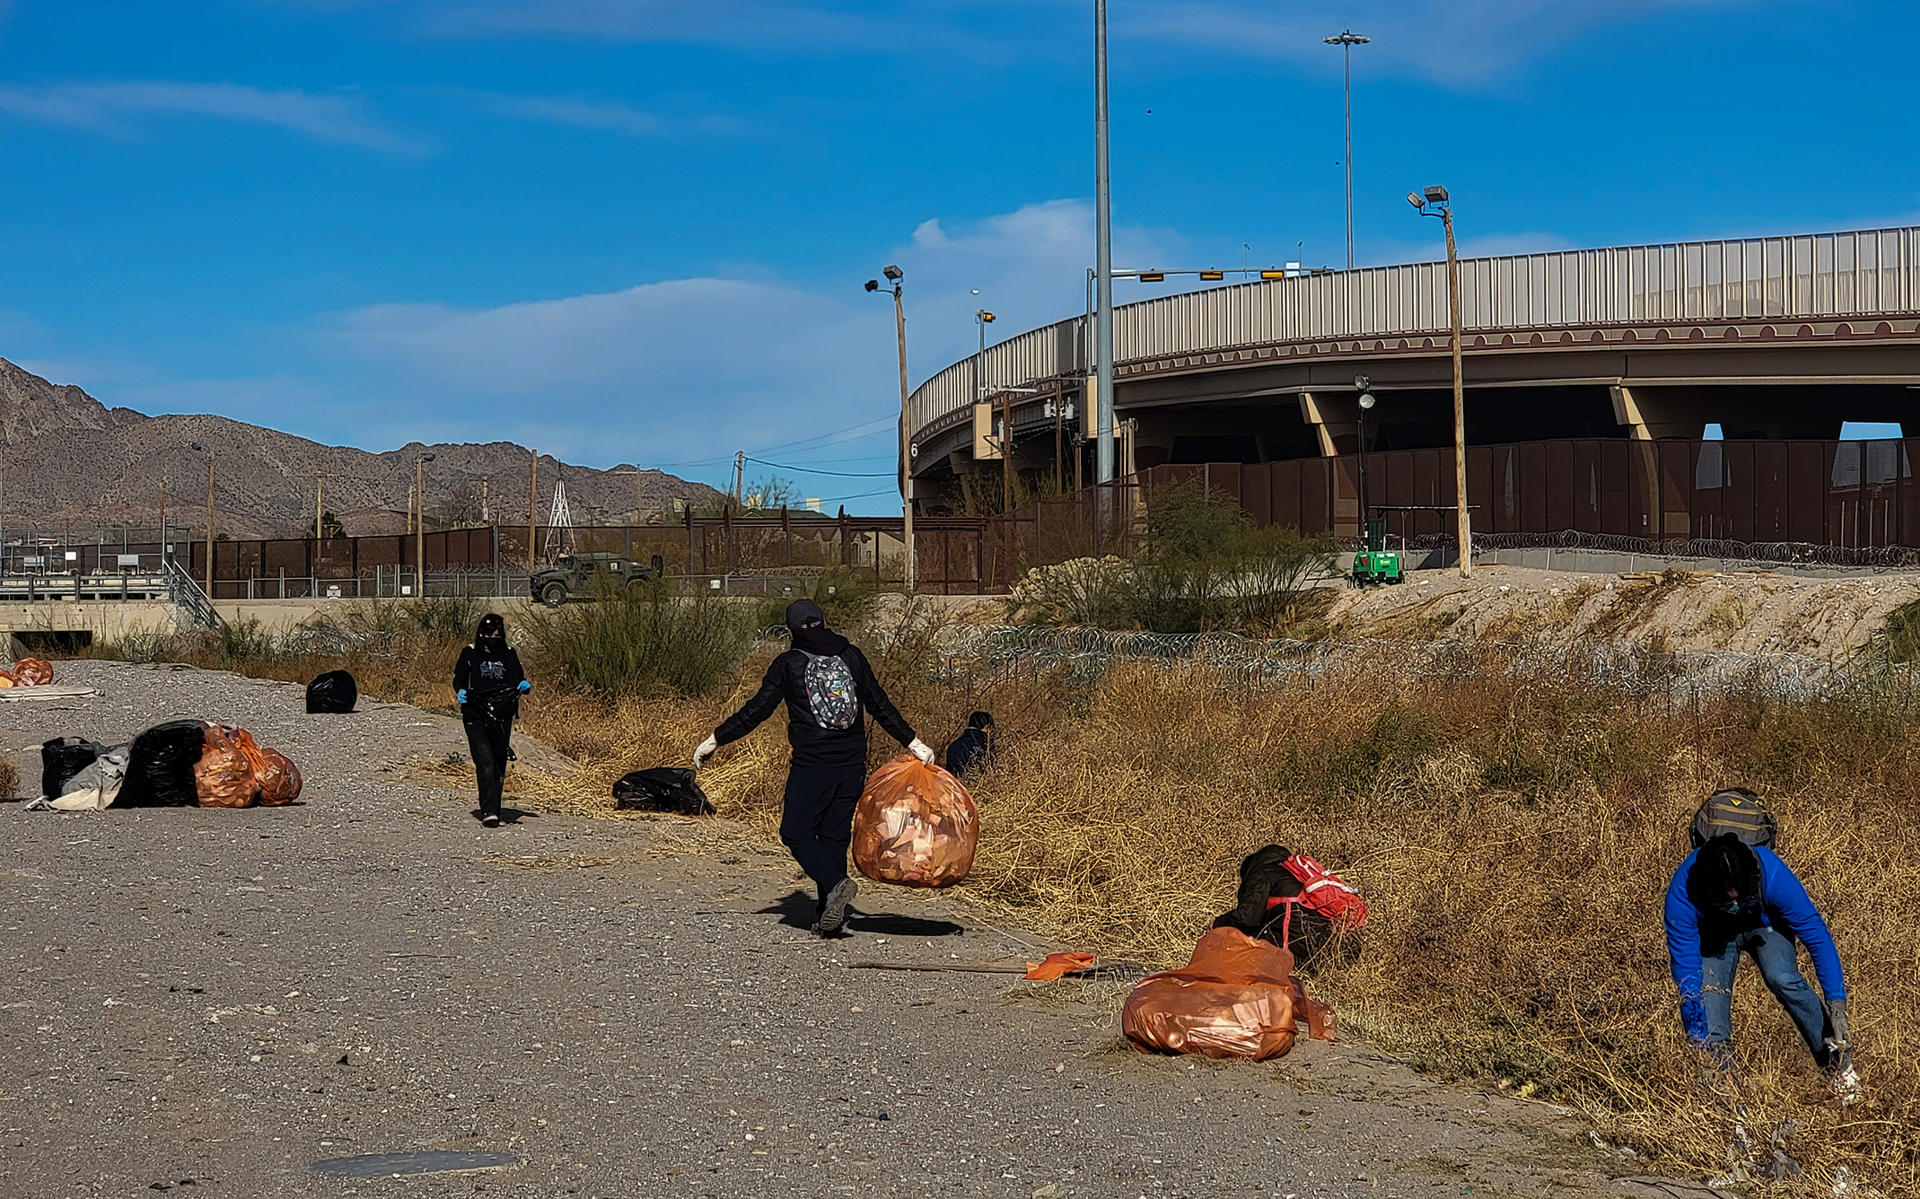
<point>1649,417</point>
<point>1336,423</point>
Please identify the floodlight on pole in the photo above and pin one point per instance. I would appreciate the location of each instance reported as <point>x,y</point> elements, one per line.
<point>1347,39</point>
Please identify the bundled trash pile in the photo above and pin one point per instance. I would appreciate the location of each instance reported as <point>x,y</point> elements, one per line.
<point>27,672</point>
<point>182,763</point>
<point>915,826</point>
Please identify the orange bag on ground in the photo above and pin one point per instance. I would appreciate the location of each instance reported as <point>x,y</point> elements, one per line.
<point>224,776</point>
<point>32,672</point>
<point>6,680</point>
<point>1236,998</point>
<point>279,779</point>
<point>915,825</point>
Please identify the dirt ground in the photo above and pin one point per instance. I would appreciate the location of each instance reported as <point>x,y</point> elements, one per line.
<point>1744,612</point>
<point>211,1001</point>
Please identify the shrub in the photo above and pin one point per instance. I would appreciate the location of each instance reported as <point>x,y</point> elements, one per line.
<point>847,598</point>
<point>1205,568</point>
<point>642,641</point>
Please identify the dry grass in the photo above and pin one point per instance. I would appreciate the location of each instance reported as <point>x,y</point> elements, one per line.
<point>1514,830</point>
<point>1514,833</point>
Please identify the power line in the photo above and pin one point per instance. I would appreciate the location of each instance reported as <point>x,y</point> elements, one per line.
<point>838,474</point>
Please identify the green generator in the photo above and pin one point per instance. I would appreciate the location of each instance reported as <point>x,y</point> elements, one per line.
<point>1375,563</point>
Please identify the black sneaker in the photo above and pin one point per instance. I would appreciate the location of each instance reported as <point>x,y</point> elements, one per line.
<point>491,820</point>
<point>833,909</point>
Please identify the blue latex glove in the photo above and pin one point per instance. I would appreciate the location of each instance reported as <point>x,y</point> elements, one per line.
<point>460,697</point>
<point>525,686</point>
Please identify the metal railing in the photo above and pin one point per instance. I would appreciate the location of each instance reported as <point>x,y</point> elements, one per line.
<point>190,602</point>
<point>1865,273</point>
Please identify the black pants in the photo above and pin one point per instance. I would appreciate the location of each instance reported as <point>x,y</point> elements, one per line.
<point>817,820</point>
<point>487,740</point>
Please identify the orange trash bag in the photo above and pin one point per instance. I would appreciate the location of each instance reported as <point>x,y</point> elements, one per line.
<point>32,672</point>
<point>915,826</point>
<point>1236,998</point>
<point>224,776</point>
<point>279,779</point>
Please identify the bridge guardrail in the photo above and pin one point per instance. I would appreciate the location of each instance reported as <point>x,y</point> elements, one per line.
<point>1862,273</point>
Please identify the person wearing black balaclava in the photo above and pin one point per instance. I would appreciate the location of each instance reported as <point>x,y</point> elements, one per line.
<point>829,689</point>
<point>488,684</point>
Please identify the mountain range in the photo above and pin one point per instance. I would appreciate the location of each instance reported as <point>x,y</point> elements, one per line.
<point>66,459</point>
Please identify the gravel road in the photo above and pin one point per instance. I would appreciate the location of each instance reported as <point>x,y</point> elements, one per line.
<point>211,1001</point>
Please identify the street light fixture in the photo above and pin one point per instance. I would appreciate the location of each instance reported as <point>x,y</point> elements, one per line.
<point>894,276</point>
<point>1347,39</point>
<point>1434,202</point>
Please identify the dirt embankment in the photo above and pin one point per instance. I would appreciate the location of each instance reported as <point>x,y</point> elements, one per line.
<point>1671,611</point>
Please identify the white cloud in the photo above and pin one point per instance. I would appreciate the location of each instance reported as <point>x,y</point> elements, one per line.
<point>602,115</point>
<point>584,114</point>
<point>1451,41</point>
<point>691,369</point>
<point>111,108</point>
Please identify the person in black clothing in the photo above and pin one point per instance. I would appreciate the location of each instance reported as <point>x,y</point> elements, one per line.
<point>829,690</point>
<point>972,749</point>
<point>488,683</point>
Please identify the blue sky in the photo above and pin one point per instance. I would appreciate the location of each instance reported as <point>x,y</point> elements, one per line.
<point>636,230</point>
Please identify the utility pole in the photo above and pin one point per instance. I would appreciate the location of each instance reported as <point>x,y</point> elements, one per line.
<point>420,544</point>
<point>895,275</point>
<point>209,525</point>
<point>1436,199</point>
<point>1347,39</point>
<point>486,513</point>
<point>319,533</point>
<point>1059,441</point>
<point>163,524</point>
<point>1103,207</point>
<point>533,510</point>
<point>1006,456</point>
<point>739,479</point>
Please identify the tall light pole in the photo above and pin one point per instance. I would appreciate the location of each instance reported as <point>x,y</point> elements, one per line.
<point>894,275</point>
<point>1434,202</point>
<point>209,453</point>
<point>420,528</point>
<point>1347,39</point>
<point>1103,255</point>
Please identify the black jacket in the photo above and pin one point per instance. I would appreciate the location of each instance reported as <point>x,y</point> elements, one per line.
<point>813,744</point>
<point>487,672</point>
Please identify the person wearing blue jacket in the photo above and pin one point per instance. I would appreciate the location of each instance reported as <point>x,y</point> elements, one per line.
<point>1729,898</point>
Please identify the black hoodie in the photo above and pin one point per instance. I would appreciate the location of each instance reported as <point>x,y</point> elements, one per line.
<point>489,667</point>
<point>823,678</point>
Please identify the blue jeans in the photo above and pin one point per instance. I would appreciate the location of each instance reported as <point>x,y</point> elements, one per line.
<point>1780,970</point>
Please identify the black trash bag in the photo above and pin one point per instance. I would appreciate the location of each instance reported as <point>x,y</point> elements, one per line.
<point>160,766</point>
<point>333,693</point>
<point>662,789</point>
<point>61,759</point>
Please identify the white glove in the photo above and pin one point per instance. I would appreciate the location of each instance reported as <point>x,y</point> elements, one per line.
<point>919,750</point>
<point>705,751</point>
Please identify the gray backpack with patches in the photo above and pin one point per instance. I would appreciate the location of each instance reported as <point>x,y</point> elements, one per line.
<point>831,695</point>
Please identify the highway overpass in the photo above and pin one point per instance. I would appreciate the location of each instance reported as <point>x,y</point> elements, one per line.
<point>1770,338</point>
